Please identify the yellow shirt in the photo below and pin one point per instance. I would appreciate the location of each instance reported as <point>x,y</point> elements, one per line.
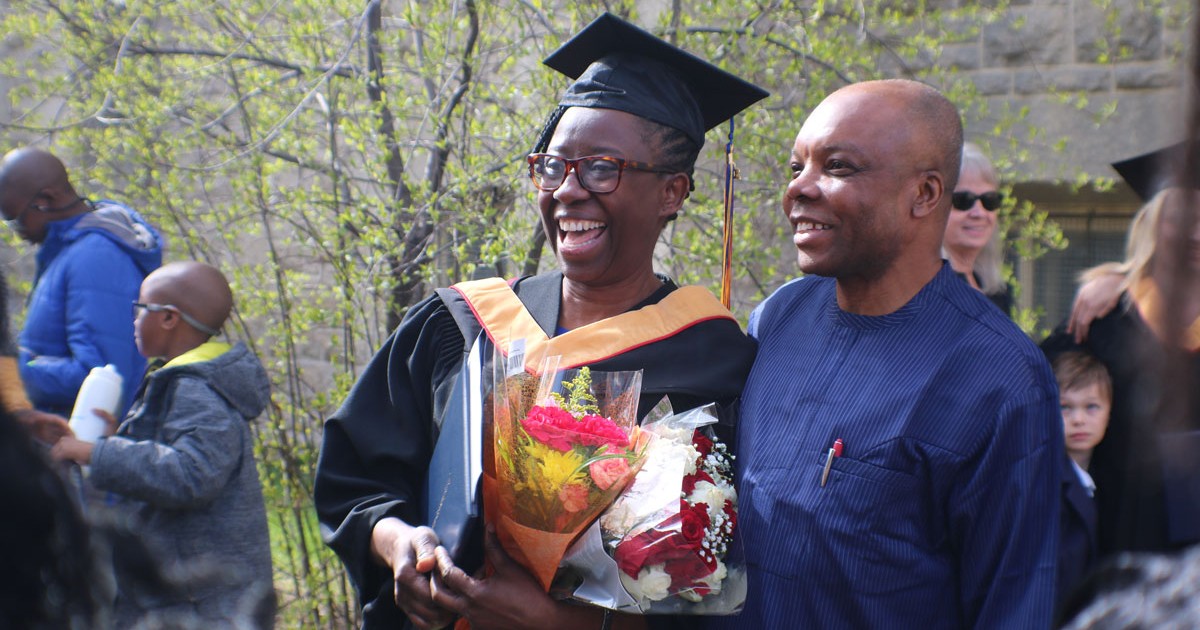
<point>206,351</point>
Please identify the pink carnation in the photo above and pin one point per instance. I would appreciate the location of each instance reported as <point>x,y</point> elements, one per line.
<point>606,472</point>
<point>574,497</point>
<point>558,429</point>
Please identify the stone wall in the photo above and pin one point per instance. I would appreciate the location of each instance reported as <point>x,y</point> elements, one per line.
<point>1125,62</point>
<point>1125,59</point>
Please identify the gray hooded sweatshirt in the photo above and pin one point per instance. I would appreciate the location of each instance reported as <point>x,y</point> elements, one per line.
<point>182,468</point>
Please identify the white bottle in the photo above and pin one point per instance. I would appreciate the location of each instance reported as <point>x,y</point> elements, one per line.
<point>101,390</point>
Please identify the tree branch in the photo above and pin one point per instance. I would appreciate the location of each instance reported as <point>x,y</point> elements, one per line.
<point>345,71</point>
<point>774,42</point>
<point>387,121</point>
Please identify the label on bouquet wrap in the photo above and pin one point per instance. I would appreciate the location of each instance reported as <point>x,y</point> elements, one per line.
<point>516,358</point>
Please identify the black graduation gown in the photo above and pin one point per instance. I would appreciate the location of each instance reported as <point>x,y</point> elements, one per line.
<point>1132,505</point>
<point>377,446</point>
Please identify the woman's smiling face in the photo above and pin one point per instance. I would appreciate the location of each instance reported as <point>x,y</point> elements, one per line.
<point>968,231</point>
<point>601,239</point>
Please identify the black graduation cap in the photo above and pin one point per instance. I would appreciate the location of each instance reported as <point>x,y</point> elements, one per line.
<point>1151,172</point>
<point>620,66</point>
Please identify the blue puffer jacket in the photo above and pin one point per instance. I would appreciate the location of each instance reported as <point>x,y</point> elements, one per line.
<point>89,271</point>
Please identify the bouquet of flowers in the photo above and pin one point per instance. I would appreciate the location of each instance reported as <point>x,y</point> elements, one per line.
<point>565,445</point>
<point>667,539</point>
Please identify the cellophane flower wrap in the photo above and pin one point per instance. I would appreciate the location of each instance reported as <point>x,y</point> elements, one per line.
<point>566,444</point>
<point>671,533</point>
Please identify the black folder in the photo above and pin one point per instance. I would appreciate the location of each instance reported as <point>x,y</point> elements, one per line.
<point>452,503</point>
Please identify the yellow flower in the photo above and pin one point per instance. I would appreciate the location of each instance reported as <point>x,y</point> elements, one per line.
<point>553,470</point>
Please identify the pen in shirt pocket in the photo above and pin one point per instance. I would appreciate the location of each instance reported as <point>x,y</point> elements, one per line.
<point>834,451</point>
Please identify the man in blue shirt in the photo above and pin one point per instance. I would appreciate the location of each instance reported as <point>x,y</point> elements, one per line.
<point>91,259</point>
<point>899,443</point>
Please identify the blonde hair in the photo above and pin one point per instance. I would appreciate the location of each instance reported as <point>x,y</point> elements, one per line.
<point>1141,243</point>
<point>988,261</point>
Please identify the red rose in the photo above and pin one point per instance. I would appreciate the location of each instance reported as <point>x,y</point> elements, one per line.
<point>694,523</point>
<point>687,570</point>
<point>631,555</point>
<point>690,481</point>
<point>634,553</point>
<point>731,514</point>
<point>656,545</point>
<point>702,443</point>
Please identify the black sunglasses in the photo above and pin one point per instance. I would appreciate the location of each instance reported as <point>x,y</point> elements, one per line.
<point>964,200</point>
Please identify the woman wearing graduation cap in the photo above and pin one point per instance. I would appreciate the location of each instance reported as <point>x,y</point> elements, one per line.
<point>1102,286</point>
<point>612,167</point>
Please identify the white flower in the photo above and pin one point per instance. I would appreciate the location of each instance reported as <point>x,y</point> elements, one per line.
<point>714,579</point>
<point>675,434</point>
<point>652,583</point>
<point>712,582</point>
<point>709,494</point>
<point>618,518</point>
<point>693,455</point>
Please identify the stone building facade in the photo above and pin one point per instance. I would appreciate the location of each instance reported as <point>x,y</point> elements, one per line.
<point>1126,61</point>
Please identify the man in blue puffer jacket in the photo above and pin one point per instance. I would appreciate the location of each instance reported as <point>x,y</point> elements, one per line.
<point>92,258</point>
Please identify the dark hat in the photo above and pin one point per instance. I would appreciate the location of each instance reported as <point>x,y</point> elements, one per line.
<point>1151,172</point>
<point>620,66</point>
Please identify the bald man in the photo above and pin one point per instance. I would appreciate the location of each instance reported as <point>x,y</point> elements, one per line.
<point>898,440</point>
<point>181,464</point>
<point>91,259</point>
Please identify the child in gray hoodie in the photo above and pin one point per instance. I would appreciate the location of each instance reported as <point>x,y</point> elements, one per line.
<point>181,464</point>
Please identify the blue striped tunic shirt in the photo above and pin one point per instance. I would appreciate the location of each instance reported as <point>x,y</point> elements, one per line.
<point>942,510</point>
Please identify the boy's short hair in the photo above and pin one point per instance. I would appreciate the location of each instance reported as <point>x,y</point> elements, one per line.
<point>1073,370</point>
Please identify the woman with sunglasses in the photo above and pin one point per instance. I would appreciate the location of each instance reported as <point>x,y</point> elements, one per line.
<point>972,242</point>
<point>611,169</point>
